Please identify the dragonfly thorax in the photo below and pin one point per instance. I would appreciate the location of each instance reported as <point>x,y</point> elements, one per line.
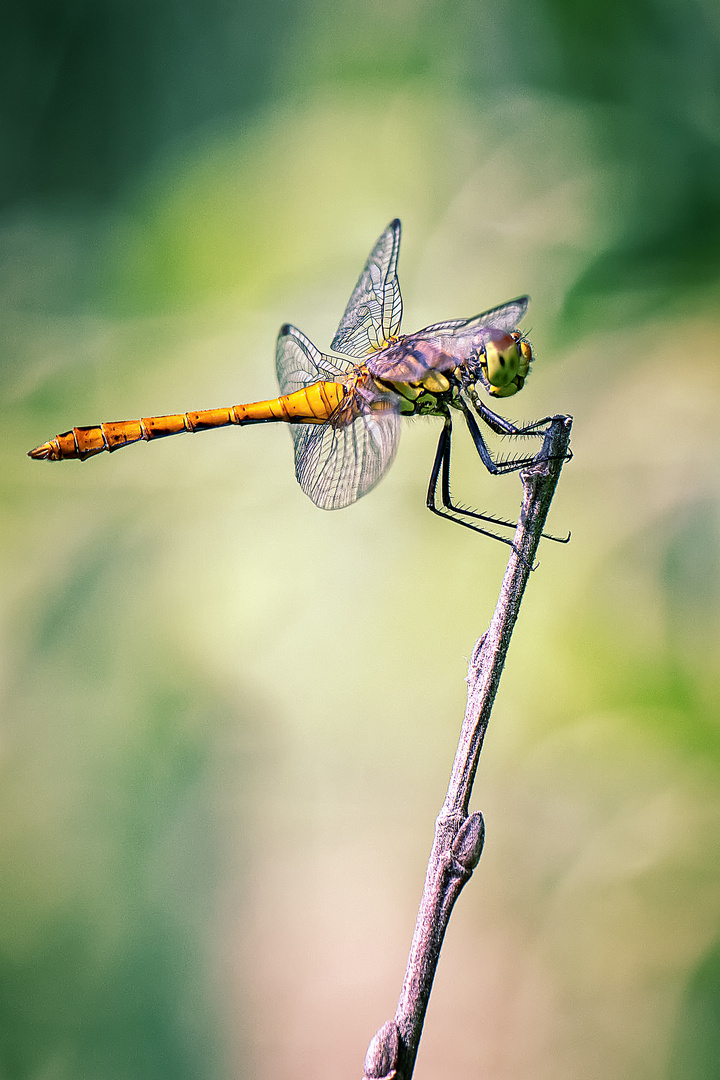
<point>429,397</point>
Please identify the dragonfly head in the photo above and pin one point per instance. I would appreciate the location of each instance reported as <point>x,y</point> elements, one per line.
<point>504,363</point>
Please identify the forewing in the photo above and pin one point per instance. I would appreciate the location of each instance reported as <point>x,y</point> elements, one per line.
<point>299,363</point>
<point>372,317</point>
<point>339,461</point>
<point>505,317</point>
<point>436,347</point>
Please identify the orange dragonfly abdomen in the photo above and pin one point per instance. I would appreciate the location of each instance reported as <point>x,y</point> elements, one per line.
<point>311,405</point>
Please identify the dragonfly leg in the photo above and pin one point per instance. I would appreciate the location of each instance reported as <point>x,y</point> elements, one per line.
<point>504,427</point>
<point>499,424</point>
<point>493,466</point>
<point>441,470</point>
<point>500,467</point>
<point>447,509</point>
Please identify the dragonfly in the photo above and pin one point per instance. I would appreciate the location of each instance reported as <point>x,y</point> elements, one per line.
<point>344,410</point>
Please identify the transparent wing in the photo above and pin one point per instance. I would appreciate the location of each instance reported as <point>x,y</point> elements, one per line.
<point>298,363</point>
<point>373,314</point>
<point>440,346</point>
<point>411,358</point>
<point>339,461</point>
<point>505,317</point>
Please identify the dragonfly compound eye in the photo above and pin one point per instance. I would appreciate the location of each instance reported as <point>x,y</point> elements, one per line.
<point>510,389</point>
<point>502,361</point>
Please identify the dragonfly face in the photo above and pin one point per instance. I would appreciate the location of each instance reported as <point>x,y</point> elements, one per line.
<point>502,364</point>
<point>344,410</point>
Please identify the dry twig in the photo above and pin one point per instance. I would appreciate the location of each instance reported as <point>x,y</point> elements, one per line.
<point>459,835</point>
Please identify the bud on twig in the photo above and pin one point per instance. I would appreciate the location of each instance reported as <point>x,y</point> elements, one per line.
<point>382,1056</point>
<point>468,844</point>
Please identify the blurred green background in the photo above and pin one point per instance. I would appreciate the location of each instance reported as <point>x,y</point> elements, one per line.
<point>228,718</point>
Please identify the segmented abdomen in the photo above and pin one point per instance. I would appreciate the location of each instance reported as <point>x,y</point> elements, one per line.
<point>311,405</point>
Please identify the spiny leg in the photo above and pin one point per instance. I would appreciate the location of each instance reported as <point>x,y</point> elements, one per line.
<point>499,424</point>
<point>495,467</point>
<point>441,468</point>
<point>503,427</point>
